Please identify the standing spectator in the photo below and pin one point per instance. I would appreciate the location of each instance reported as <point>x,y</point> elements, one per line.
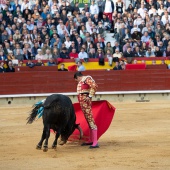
<point>119,6</point>
<point>108,9</point>
<point>94,9</point>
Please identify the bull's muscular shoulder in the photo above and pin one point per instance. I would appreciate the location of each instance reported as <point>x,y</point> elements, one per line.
<point>58,98</point>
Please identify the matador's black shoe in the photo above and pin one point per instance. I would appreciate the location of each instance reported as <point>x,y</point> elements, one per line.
<point>86,143</point>
<point>93,147</point>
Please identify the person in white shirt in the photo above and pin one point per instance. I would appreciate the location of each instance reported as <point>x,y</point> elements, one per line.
<point>166,17</point>
<point>94,9</point>
<point>152,11</point>
<point>47,55</point>
<point>89,26</point>
<point>67,42</point>
<point>108,9</point>
<point>83,55</point>
<point>39,55</point>
<point>142,10</point>
<point>138,21</point>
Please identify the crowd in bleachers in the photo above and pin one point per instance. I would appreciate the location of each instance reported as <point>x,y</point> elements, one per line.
<point>51,29</point>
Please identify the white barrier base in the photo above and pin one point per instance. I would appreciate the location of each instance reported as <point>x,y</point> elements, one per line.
<point>118,96</point>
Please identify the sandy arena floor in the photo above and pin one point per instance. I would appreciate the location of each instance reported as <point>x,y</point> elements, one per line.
<point>138,138</point>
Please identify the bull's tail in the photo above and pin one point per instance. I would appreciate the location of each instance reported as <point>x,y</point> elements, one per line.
<point>37,111</point>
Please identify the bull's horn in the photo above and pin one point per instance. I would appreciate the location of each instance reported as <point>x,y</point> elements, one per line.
<point>81,131</point>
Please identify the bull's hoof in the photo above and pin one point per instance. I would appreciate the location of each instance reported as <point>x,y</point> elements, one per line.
<point>62,142</point>
<point>38,147</point>
<point>45,149</point>
<point>54,146</point>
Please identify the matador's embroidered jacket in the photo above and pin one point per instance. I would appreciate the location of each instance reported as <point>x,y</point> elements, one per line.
<point>87,85</point>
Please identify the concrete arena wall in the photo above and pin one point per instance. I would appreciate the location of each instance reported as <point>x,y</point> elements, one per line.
<point>138,96</point>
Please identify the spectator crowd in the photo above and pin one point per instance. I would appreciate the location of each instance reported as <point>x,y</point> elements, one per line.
<point>51,29</point>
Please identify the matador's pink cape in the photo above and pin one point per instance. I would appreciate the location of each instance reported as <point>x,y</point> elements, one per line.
<point>103,113</point>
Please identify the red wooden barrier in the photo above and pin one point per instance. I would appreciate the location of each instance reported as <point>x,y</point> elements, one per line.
<point>58,82</point>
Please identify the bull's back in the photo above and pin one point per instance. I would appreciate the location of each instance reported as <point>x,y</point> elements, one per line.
<point>58,109</point>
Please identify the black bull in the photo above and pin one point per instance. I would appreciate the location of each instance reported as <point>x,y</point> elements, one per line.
<point>58,115</point>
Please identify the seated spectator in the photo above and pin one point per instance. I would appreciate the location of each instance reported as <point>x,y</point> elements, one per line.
<point>129,55</point>
<point>101,29</point>
<point>83,55</point>
<point>144,48</point>
<point>80,66</point>
<point>47,55</point>
<point>55,53</point>
<point>117,55</point>
<point>150,53</point>
<point>67,42</point>
<point>51,62</point>
<point>30,64</point>
<point>18,55</point>
<point>73,54</point>
<point>100,53</point>
<point>10,67</point>
<point>34,49</point>
<point>26,54</point>
<point>135,34</point>
<point>39,55</point>
<point>145,38</point>
<point>158,52</point>
<point>168,51</point>
<point>92,53</point>
<point>64,54</point>
<point>2,68</point>
<point>117,66</point>
<point>62,68</point>
<point>20,63</point>
<point>39,62</point>
<point>2,56</point>
<point>10,55</point>
<point>108,47</point>
<point>45,47</point>
<point>137,52</point>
